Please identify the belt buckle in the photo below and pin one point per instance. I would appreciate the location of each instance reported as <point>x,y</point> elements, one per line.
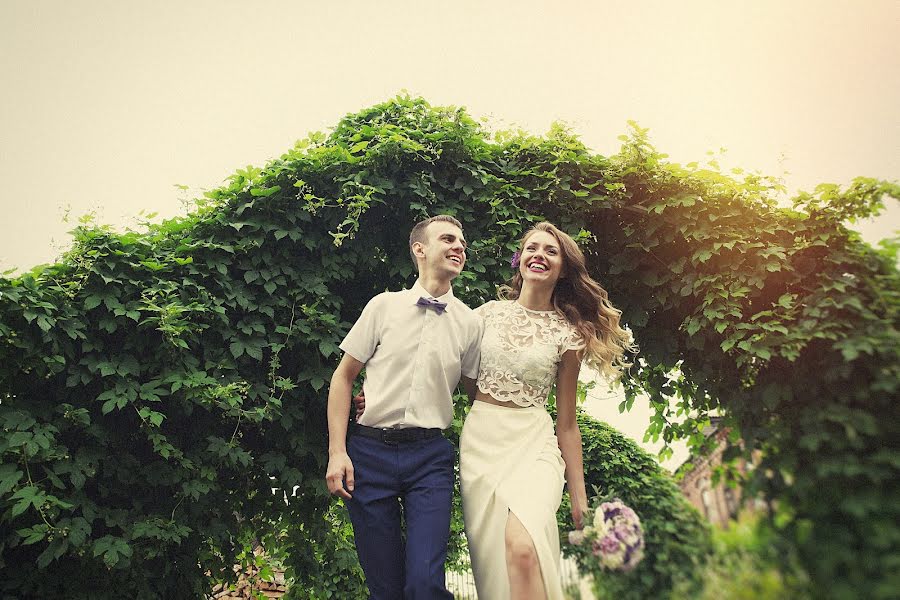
<point>391,436</point>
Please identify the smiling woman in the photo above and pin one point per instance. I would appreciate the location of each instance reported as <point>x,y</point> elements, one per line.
<point>512,462</point>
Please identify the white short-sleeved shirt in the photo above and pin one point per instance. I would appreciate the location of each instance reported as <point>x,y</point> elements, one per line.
<point>413,357</point>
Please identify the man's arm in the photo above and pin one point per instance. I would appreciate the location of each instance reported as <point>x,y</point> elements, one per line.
<point>471,359</point>
<point>340,468</point>
<point>469,385</point>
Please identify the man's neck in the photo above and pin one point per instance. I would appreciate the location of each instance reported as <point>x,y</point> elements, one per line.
<point>434,286</point>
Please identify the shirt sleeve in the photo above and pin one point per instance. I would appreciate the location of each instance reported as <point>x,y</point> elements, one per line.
<point>365,335</point>
<point>471,359</point>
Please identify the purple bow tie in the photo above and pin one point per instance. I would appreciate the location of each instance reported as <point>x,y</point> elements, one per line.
<point>439,307</point>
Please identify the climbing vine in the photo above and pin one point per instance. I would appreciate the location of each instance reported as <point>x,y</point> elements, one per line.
<point>162,391</point>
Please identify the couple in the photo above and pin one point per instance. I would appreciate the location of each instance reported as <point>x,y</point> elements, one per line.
<point>415,345</point>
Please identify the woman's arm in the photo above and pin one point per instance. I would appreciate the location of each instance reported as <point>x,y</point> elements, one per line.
<point>568,434</point>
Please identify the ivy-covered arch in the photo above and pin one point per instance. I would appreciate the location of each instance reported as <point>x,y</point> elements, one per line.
<point>152,384</point>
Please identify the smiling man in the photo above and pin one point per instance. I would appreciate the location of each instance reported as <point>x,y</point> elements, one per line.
<point>415,345</point>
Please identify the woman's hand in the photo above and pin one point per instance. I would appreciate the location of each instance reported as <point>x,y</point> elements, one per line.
<point>579,509</point>
<point>360,402</point>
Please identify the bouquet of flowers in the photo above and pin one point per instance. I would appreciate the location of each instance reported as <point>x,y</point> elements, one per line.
<point>615,535</point>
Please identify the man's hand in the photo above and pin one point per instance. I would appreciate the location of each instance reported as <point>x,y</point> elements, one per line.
<point>340,470</point>
<point>360,402</point>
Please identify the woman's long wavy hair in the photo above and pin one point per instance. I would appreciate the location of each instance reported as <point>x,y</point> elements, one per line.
<point>584,304</point>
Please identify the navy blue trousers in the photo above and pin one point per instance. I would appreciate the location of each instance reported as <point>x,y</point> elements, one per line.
<point>415,479</point>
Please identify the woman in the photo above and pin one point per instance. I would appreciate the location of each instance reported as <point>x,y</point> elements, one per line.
<point>512,465</point>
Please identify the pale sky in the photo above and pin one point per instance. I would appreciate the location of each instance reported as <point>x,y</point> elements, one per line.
<point>107,105</point>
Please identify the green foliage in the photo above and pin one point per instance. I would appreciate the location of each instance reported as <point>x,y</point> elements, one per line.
<point>786,323</point>
<point>156,386</point>
<point>745,566</point>
<point>332,570</point>
<point>677,538</point>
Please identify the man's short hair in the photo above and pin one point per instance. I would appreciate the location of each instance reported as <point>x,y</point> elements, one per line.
<point>418,233</point>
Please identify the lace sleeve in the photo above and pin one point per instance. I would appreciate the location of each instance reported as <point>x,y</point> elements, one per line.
<point>573,340</point>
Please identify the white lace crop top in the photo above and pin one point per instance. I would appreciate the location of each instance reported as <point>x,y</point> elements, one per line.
<point>520,351</point>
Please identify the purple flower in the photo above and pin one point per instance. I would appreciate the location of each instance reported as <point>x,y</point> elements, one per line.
<point>629,514</point>
<point>514,262</point>
<point>621,530</point>
<point>609,544</point>
<point>617,538</point>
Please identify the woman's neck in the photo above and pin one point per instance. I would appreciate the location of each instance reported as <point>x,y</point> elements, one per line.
<point>534,298</point>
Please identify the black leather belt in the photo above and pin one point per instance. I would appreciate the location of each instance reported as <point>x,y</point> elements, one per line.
<point>396,436</point>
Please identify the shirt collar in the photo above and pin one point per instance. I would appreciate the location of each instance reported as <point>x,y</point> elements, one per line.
<point>418,290</point>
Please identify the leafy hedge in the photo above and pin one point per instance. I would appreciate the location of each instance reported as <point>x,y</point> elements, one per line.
<point>745,565</point>
<point>677,538</point>
<point>155,386</point>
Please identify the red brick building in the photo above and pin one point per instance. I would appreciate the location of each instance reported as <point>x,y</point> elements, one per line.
<point>717,502</point>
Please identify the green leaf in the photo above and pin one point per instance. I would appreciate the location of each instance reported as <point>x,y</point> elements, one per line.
<point>19,438</point>
<point>33,535</point>
<point>20,507</point>
<point>9,477</point>
<point>265,192</point>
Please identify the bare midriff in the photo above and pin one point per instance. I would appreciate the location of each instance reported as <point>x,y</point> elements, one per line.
<point>487,398</point>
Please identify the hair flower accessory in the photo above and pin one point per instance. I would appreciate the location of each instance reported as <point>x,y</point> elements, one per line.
<point>514,262</point>
<point>615,536</point>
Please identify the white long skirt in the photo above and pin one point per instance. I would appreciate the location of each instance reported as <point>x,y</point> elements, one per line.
<point>510,463</point>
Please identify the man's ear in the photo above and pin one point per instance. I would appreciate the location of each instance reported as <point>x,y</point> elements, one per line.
<point>418,249</point>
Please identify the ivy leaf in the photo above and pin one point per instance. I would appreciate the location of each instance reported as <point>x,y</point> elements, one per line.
<point>265,192</point>
<point>9,477</point>
<point>32,535</point>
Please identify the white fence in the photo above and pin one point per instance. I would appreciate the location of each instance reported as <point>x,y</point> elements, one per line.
<point>462,584</point>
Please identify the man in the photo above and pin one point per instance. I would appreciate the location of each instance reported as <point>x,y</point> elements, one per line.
<point>415,344</point>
